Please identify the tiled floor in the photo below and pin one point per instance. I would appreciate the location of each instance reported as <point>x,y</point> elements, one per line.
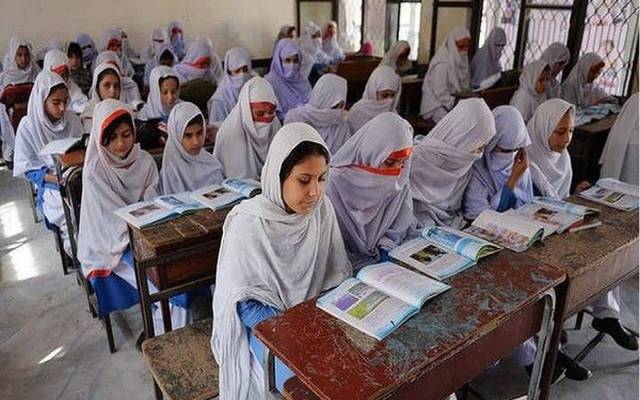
<point>51,348</point>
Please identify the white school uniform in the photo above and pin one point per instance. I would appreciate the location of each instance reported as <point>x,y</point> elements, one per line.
<point>365,109</point>
<point>55,59</point>
<point>554,54</point>
<point>623,139</point>
<point>576,89</point>
<point>525,98</point>
<point>154,108</point>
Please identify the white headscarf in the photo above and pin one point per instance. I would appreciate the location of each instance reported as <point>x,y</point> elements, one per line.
<point>372,204</point>
<point>226,94</point>
<point>271,256</point>
<point>154,107</point>
<point>623,139</point>
<point>492,171</point>
<point>109,183</point>
<point>128,86</point>
<point>554,54</point>
<point>191,67</point>
<point>176,42</point>
<point>525,99</point>
<point>55,59</point>
<point>12,75</point>
<point>182,171</point>
<point>330,45</point>
<point>365,109</point>
<point>551,172</point>
<point>441,163</point>
<point>391,57</point>
<point>36,129</point>
<point>242,145</point>
<point>159,38</point>
<point>126,69</point>
<point>576,90</point>
<point>330,122</point>
<point>311,49</point>
<point>155,61</point>
<point>486,61</point>
<point>448,74</point>
<point>94,96</point>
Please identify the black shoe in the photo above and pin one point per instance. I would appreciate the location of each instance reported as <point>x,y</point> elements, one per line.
<point>613,328</point>
<point>572,369</point>
<point>557,371</point>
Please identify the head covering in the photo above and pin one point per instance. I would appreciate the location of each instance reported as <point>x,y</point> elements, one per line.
<point>576,89</point>
<point>330,44</point>
<point>159,38</point>
<point>36,129</point>
<point>115,36</point>
<point>283,32</point>
<point>370,202</point>
<point>177,41</point>
<point>492,171</point>
<point>441,163</point>
<point>330,122</point>
<point>57,61</point>
<point>154,107</point>
<point>242,144</point>
<point>554,54</point>
<point>129,88</point>
<point>94,96</point>
<point>89,51</point>
<point>194,66</point>
<point>382,78</point>
<point>311,48</point>
<point>448,74</point>
<point>226,94</point>
<point>526,99</point>
<point>551,172</point>
<point>486,61</point>
<point>290,86</point>
<point>269,255</point>
<point>622,139</point>
<point>391,57</point>
<point>366,48</point>
<point>12,75</point>
<point>109,183</point>
<point>182,171</point>
<point>155,61</point>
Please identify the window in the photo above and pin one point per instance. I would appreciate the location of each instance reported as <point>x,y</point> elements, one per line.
<point>350,24</point>
<point>403,23</point>
<point>505,15</point>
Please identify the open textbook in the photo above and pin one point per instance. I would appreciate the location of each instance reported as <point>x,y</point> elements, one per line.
<point>163,208</point>
<point>229,192</point>
<point>506,230</point>
<point>459,242</point>
<point>556,215</point>
<point>63,146</point>
<point>380,298</point>
<point>613,193</point>
<point>428,257</point>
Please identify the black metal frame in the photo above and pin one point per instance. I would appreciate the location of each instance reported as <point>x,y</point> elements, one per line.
<point>334,10</point>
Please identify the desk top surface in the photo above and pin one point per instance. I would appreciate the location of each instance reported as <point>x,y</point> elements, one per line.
<point>341,362</point>
<point>600,126</point>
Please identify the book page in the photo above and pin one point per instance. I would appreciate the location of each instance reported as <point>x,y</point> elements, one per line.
<point>144,213</point>
<point>506,230</point>
<point>180,203</point>
<point>59,146</point>
<point>613,193</point>
<point>428,257</point>
<point>366,308</point>
<point>216,197</point>
<point>246,187</point>
<point>459,242</point>
<point>565,206</point>
<point>397,281</point>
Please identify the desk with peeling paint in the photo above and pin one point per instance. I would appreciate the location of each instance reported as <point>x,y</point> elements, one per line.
<point>490,310</point>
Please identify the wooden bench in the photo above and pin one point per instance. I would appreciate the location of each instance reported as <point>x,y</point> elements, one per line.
<point>181,362</point>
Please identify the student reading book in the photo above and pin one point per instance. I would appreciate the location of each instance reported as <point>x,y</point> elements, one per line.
<point>506,229</point>
<point>228,193</point>
<point>613,193</point>
<point>380,298</point>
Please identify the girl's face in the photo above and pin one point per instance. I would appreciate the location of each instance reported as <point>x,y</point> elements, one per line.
<point>393,162</point>
<point>121,141</point>
<point>169,92</point>
<point>542,81</point>
<point>561,136</point>
<point>463,45</point>
<point>385,94</point>
<point>115,45</point>
<point>193,138</point>
<point>23,58</point>
<point>403,57</point>
<point>594,72</point>
<point>292,34</point>
<point>56,103</point>
<point>237,72</point>
<point>109,87</point>
<point>331,31</point>
<point>305,185</point>
<point>75,62</point>
<point>294,59</point>
<point>263,111</point>
<point>557,68</point>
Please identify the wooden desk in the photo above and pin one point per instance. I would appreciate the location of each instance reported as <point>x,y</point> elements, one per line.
<point>586,148</point>
<point>357,74</point>
<point>494,97</point>
<point>490,310</point>
<point>72,159</point>
<point>594,261</point>
<point>410,97</point>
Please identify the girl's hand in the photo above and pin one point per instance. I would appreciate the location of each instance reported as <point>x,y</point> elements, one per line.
<point>582,186</point>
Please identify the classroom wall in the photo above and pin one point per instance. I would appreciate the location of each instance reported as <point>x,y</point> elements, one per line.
<point>250,23</point>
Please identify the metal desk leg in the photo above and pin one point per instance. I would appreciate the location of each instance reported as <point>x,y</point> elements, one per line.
<point>269,368</point>
<point>544,338</point>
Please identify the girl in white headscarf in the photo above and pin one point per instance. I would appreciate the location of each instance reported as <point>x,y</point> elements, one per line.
<point>501,179</point>
<point>163,94</point>
<point>550,130</point>
<point>330,43</point>
<point>325,111</point>
<point>129,86</point>
<point>398,57</point>
<point>557,56</point>
<point>116,173</point>
<point>382,93</point>
<point>441,165</point>
<point>186,166</point>
<point>278,249</point>
<point>447,75</point>
<point>112,41</point>
<point>106,84</point>
<point>242,142</point>
<point>313,56</point>
<point>370,188</point>
<point>164,56</point>
<point>199,63</point>
<point>531,92</point>
<point>19,64</point>
<point>578,88</point>
<point>158,39</point>
<point>57,61</point>
<point>176,36</point>
<point>47,119</point>
<point>486,61</point>
<point>237,64</point>
<point>620,155</point>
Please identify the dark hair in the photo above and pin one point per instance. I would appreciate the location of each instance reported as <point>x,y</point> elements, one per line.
<point>198,119</point>
<point>75,50</point>
<point>169,77</point>
<point>110,130</point>
<point>57,87</point>
<point>300,153</point>
<point>166,54</point>
<point>108,71</point>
